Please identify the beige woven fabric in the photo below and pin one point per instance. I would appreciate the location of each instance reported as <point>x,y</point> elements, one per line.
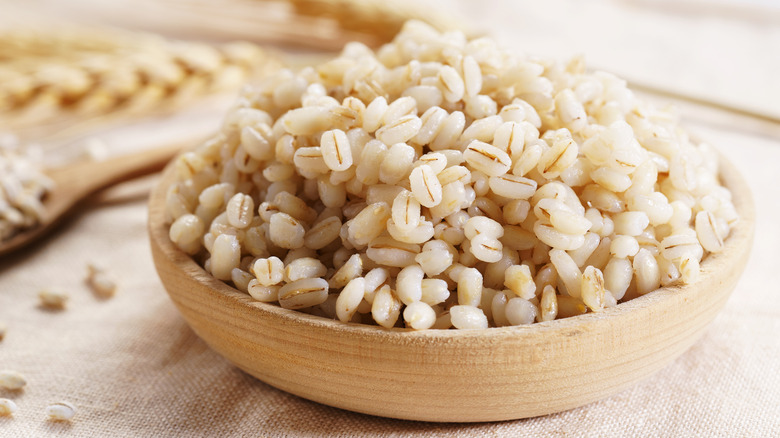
<point>134,368</point>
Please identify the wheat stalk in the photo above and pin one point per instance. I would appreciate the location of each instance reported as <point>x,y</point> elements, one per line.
<point>310,24</point>
<point>45,75</point>
<point>380,18</point>
<point>72,80</point>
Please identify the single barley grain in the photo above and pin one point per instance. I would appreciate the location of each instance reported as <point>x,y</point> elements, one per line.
<point>53,298</point>
<point>303,293</point>
<point>386,307</point>
<point>100,281</point>
<point>519,311</point>
<point>349,298</point>
<point>468,317</point>
<point>7,407</point>
<point>60,411</point>
<point>12,380</point>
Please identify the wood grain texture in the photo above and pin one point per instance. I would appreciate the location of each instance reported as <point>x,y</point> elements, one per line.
<point>453,375</point>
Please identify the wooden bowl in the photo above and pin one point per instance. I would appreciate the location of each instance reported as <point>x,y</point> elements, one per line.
<point>452,375</point>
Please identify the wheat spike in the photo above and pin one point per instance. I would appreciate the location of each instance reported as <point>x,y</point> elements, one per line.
<point>92,72</point>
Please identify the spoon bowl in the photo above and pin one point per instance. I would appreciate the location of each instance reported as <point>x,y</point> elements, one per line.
<point>452,375</point>
<point>75,182</point>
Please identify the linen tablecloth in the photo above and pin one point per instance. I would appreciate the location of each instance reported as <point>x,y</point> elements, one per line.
<point>132,366</point>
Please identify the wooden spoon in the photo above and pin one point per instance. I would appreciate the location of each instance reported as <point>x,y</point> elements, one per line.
<point>75,182</point>
<point>453,375</point>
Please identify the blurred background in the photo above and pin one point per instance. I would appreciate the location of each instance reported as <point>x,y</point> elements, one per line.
<point>81,75</point>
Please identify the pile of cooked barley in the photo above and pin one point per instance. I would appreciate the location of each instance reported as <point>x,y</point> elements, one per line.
<point>444,182</point>
<point>22,186</point>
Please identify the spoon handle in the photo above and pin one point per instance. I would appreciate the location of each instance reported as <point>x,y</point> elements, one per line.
<point>84,178</point>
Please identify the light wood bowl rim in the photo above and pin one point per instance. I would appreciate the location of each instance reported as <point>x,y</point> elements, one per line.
<point>737,246</point>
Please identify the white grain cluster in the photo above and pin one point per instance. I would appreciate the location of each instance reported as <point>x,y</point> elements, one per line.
<point>444,182</point>
<point>22,186</point>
